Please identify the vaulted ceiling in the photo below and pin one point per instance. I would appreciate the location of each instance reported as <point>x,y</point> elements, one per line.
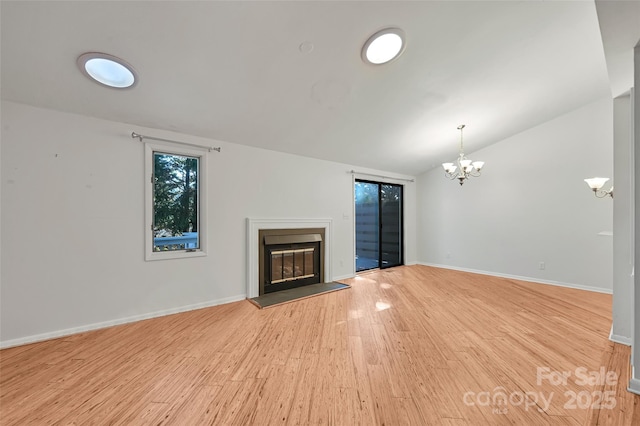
<point>288,75</point>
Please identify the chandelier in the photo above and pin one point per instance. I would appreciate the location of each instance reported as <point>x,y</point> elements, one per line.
<point>465,168</point>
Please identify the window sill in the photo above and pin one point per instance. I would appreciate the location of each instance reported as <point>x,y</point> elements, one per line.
<point>178,254</point>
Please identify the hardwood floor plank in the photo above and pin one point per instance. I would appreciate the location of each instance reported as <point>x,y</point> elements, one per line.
<point>195,407</point>
<point>275,404</point>
<point>410,345</point>
<point>362,385</point>
<point>305,391</point>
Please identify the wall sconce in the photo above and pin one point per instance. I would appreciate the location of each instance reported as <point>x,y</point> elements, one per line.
<point>596,184</point>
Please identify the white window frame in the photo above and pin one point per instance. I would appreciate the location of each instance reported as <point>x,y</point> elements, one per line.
<point>201,154</point>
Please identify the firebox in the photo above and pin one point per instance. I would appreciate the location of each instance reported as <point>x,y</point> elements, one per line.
<point>290,258</point>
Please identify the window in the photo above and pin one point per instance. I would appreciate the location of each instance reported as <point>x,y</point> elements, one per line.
<point>176,207</point>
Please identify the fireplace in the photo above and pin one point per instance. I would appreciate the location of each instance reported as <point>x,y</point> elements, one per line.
<point>290,258</point>
<point>255,246</point>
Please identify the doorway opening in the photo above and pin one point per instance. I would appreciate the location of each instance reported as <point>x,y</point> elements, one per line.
<point>379,225</point>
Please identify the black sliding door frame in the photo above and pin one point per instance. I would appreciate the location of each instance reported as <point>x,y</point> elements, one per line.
<point>383,261</point>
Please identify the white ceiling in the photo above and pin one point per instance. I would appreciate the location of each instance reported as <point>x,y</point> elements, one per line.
<point>240,71</point>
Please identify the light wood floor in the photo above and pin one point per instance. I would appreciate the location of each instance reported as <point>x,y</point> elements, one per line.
<point>409,345</point>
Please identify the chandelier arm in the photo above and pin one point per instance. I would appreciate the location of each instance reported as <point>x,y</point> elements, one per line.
<point>450,176</point>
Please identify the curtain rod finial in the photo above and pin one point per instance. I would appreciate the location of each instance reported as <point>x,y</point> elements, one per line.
<point>136,135</point>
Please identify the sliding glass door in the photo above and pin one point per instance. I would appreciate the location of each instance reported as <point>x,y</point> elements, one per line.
<point>367,225</point>
<point>378,225</point>
<point>390,225</point>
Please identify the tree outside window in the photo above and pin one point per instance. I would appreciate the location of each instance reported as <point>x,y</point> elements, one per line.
<point>175,184</point>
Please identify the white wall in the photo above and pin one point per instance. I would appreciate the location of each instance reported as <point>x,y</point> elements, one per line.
<point>530,205</point>
<point>622,221</point>
<point>73,217</point>
<point>634,383</point>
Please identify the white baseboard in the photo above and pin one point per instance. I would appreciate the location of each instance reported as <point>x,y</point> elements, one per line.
<point>616,338</point>
<point>95,326</point>
<point>343,277</point>
<point>521,278</point>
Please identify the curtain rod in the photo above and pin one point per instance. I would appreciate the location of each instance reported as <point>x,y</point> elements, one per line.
<point>353,172</point>
<point>135,135</point>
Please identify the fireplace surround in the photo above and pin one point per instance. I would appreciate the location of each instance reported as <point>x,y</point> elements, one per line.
<point>302,225</point>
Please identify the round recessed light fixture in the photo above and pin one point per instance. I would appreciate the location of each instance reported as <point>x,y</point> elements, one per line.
<point>384,46</point>
<point>107,70</point>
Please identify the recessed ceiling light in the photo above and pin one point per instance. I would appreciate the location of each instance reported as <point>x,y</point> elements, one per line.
<point>107,70</point>
<point>384,46</point>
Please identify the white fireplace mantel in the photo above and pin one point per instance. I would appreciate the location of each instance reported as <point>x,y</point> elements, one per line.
<point>255,225</point>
